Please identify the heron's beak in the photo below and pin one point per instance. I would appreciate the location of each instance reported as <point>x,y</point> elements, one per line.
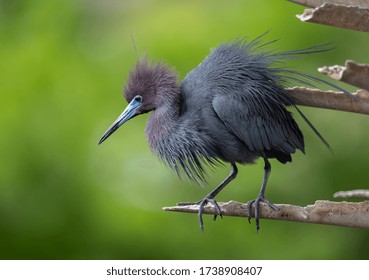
<point>128,113</point>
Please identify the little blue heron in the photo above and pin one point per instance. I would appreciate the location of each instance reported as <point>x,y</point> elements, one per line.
<point>231,108</point>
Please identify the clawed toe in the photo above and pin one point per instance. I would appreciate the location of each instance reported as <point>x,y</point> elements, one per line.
<point>257,209</point>
<point>202,204</point>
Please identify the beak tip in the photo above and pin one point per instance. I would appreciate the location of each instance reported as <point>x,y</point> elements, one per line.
<point>101,140</point>
<point>127,114</point>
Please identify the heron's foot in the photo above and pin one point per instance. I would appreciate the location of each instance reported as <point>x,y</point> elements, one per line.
<point>202,203</point>
<point>257,201</point>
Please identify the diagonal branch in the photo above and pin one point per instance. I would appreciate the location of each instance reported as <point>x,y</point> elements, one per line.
<point>331,99</point>
<point>349,214</point>
<point>316,3</point>
<point>350,17</point>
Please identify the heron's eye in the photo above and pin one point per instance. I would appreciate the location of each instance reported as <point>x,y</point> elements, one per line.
<point>138,98</point>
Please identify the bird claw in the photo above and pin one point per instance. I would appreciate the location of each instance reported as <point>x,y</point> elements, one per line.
<point>202,204</point>
<point>257,209</point>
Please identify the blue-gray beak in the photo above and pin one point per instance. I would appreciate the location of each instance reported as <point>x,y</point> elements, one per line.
<point>128,113</point>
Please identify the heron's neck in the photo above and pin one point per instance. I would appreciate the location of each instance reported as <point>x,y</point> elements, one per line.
<point>163,120</point>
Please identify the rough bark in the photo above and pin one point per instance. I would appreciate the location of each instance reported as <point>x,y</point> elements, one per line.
<point>332,99</point>
<point>349,17</point>
<point>347,214</point>
<point>352,73</point>
<point>316,3</point>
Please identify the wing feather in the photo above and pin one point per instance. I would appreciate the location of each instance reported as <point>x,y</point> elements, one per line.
<point>260,131</point>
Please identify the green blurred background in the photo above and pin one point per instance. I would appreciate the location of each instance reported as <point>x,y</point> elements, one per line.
<point>63,64</point>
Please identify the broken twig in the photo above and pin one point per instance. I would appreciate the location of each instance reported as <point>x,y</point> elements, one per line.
<point>352,73</point>
<point>353,194</point>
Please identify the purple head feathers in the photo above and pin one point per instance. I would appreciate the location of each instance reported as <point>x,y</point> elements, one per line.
<point>152,81</point>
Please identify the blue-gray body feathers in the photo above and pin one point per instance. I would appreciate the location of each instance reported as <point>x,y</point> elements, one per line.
<point>232,107</point>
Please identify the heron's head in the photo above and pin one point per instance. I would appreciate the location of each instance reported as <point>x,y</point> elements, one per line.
<point>148,87</point>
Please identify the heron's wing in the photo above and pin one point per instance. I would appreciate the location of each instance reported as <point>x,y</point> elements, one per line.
<point>263,125</point>
<point>245,85</point>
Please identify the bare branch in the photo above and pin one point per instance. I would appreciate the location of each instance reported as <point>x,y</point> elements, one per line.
<point>352,73</point>
<point>352,194</point>
<point>338,15</point>
<point>350,214</point>
<point>316,3</point>
<point>332,99</point>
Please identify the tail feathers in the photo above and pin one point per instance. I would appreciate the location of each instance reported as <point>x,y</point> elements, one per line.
<point>315,130</point>
<point>300,77</point>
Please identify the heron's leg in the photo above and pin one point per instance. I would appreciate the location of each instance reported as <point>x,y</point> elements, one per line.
<point>261,198</point>
<point>210,197</point>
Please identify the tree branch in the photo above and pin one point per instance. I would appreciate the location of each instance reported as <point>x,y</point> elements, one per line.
<point>331,99</point>
<point>352,73</point>
<point>352,194</point>
<point>349,214</point>
<point>350,17</point>
<point>316,3</point>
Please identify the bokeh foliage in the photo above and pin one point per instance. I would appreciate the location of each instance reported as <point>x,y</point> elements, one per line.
<point>62,67</point>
